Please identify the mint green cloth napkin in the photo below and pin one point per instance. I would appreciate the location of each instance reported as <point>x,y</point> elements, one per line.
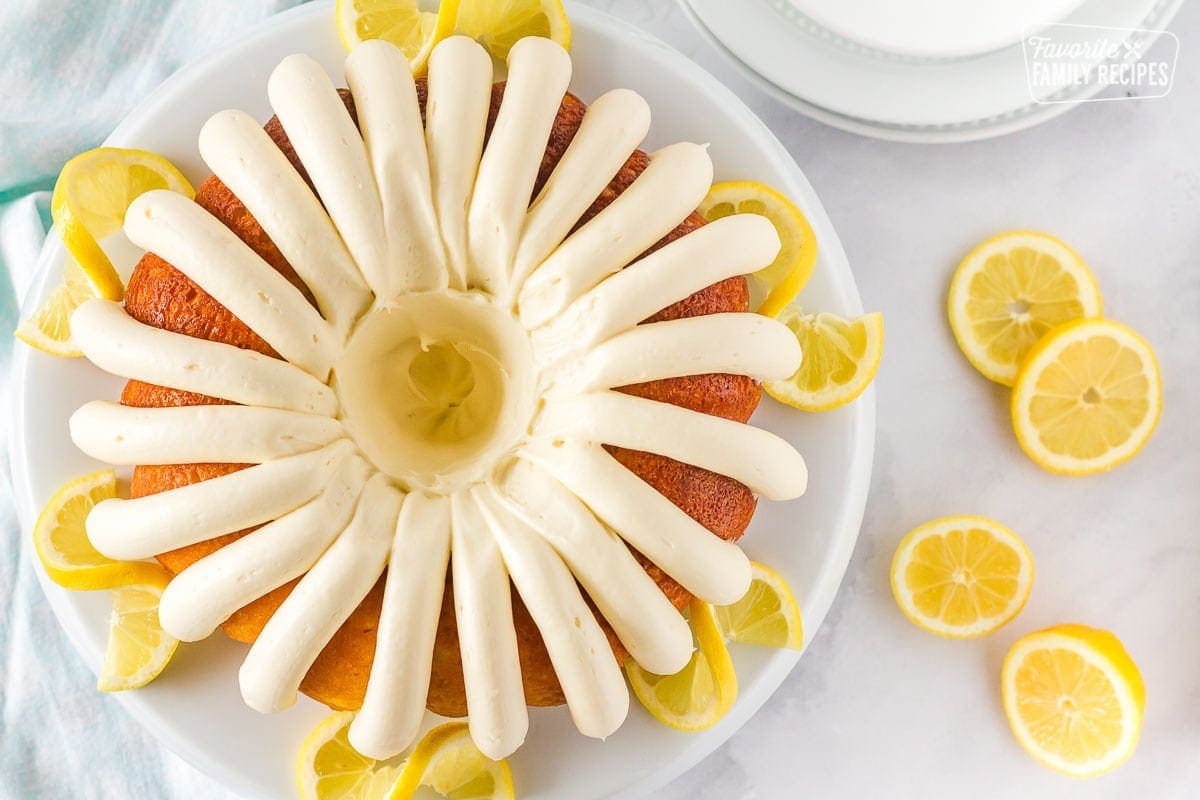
<point>70,71</point>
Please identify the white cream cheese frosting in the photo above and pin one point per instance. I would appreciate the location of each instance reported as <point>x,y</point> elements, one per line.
<point>445,404</point>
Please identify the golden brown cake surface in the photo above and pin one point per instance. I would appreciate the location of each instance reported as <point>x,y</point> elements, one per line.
<point>160,295</point>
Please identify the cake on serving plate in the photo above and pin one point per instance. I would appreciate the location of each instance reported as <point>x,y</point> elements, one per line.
<point>437,394</point>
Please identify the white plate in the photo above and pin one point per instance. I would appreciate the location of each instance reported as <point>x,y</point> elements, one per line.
<point>932,28</point>
<point>852,87</point>
<point>195,708</point>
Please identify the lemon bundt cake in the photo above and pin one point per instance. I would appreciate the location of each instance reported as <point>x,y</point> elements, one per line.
<point>437,394</point>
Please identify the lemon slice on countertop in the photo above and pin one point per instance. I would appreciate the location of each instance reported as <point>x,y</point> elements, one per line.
<point>700,694</point>
<point>499,24</point>
<point>768,615</point>
<point>1087,397</point>
<point>961,577</point>
<point>1074,699</point>
<point>329,768</point>
<point>138,648</point>
<point>60,539</point>
<point>1009,291</point>
<point>401,22</point>
<point>778,283</point>
<point>90,199</point>
<point>449,763</point>
<point>841,357</point>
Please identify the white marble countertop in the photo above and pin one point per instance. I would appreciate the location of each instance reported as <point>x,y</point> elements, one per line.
<point>876,707</point>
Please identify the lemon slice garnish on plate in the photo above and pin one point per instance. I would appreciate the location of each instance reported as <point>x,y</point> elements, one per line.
<point>768,615</point>
<point>961,577</point>
<point>138,648</point>
<point>1074,699</point>
<point>841,357</point>
<point>1087,397</point>
<point>778,283</point>
<point>499,24</point>
<point>449,763</point>
<point>401,22</point>
<point>329,768</point>
<point>49,329</point>
<point>1009,291</point>
<point>61,542</point>
<point>90,199</point>
<point>700,694</point>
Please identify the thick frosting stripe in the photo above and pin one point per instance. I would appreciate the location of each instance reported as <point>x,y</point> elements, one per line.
<point>198,245</point>
<point>736,343</point>
<point>333,154</point>
<point>205,594</point>
<point>398,686</point>
<point>240,153</point>
<point>767,464</point>
<point>649,627</point>
<point>730,246</point>
<point>118,434</point>
<point>612,128</point>
<point>668,190</point>
<point>326,595</point>
<point>456,114</point>
<point>497,715</point>
<point>117,343</point>
<point>591,679</point>
<point>390,120</point>
<point>538,73</point>
<point>153,524</point>
<point>709,567</point>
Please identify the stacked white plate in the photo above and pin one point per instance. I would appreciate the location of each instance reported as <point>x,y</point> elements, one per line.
<point>914,70</point>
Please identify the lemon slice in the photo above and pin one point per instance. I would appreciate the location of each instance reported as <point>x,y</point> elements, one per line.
<point>701,693</point>
<point>400,22</point>
<point>1074,699</point>
<point>447,761</point>
<point>499,24</point>
<point>841,357</point>
<point>768,615</point>
<point>62,545</point>
<point>328,768</point>
<point>138,648</point>
<point>49,329</point>
<point>90,198</point>
<point>778,283</point>
<point>1087,397</point>
<point>1009,291</point>
<point>961,577</point>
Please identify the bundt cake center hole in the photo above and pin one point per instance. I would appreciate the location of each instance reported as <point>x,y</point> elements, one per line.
<point>436,388</point>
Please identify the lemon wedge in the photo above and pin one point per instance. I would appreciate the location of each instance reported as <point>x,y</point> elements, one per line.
<point>961,577</point>
<point>841,357</point>
<point>1074,699</point>
<point>1087,397</point>
<point>701,693</point>
<point>447,761</point>
<point>400,22</point>
<point>61,542</point>
<point>90,199</point>
<point>329,768</point>
<point>499,24</point>
<point>778,283</point>
<point>768,615</point>
<point>138,648</point>
<point>49,329</point>
<point>1009,291</point>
